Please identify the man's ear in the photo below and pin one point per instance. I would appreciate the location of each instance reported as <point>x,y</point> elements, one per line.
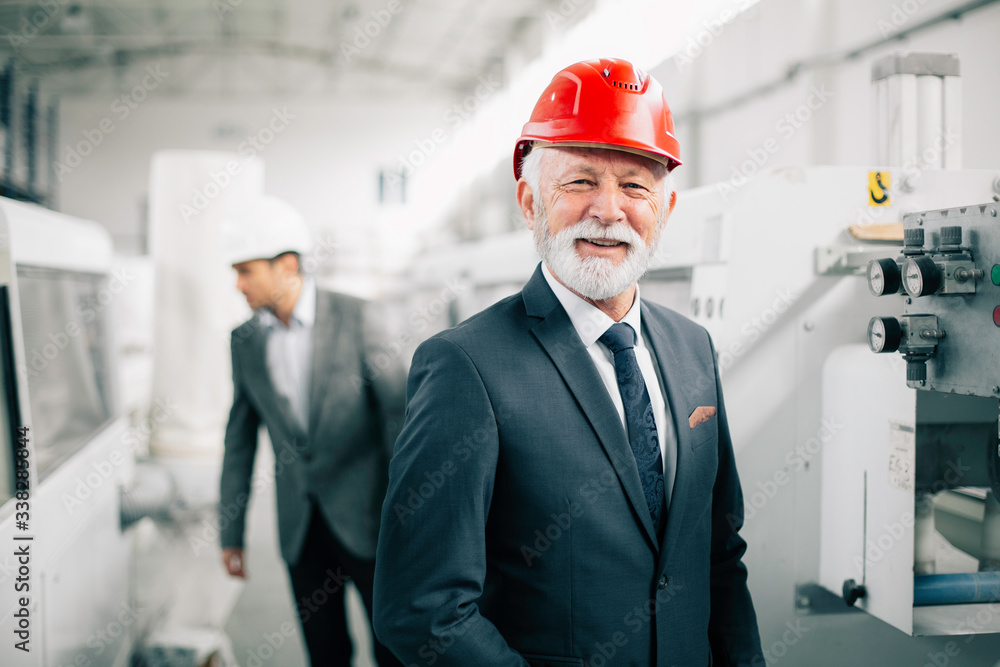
<point>673,202</point>
<point>526,202</point>
<point>289,264</point>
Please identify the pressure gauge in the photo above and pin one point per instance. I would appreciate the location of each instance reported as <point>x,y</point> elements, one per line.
<point>883,277</point>
<point>884,334</point>
<point>921,276</point>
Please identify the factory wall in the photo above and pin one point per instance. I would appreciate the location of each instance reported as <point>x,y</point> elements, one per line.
<point>823,114</point>
<point>322,155</point>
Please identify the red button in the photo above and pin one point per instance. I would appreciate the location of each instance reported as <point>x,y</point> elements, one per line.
<point>996,316</point>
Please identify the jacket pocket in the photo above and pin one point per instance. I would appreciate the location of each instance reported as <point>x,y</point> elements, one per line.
<point>704,434</point>
<point>536,660</point>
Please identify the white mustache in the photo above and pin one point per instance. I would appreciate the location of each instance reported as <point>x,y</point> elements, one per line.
<point>591,229</point>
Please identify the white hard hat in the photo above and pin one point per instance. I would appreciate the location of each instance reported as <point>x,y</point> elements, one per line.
<point>263,228</point>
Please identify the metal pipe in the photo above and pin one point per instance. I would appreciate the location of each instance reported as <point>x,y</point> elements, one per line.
<point>52,153</point>
<point>31,140</point>
<point>7,121</point>
<point>930,121</point>
<point>924,544</point>
<point>938,589</point>
<point>989,553</point>
<point>153,493</point>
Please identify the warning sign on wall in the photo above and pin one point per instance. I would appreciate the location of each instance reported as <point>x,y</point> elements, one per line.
<point>879,183</point>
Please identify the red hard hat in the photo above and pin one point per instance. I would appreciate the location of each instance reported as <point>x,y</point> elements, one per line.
<point>603,103</point>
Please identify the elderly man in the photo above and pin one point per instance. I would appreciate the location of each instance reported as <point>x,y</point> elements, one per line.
<point>564,491</point>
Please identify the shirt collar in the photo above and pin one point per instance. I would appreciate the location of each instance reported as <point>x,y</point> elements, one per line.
<point>304,312</point>
<point>588,320</point>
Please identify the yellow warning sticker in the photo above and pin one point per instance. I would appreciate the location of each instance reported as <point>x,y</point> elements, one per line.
<point>879,183</point>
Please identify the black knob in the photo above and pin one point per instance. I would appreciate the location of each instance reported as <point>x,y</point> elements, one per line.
<point>951,235</point>
<point>853,591</point>
<point>913,237</point>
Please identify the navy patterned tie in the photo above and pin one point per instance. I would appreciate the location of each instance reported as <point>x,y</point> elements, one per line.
<point>642,436</point>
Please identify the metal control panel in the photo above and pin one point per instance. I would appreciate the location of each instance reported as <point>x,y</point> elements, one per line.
<point>949,277</point>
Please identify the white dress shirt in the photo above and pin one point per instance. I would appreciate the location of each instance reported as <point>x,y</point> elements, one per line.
<point>290,352</point>
<point>591,323</point>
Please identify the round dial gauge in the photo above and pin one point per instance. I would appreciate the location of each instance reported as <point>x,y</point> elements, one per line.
<point>921,276</point>
<point>883,277</point>
<point>884,334</point>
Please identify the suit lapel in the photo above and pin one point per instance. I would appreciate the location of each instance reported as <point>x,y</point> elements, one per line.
<point>326,331</point>
<point>674,370</point>
<point>557,336</point>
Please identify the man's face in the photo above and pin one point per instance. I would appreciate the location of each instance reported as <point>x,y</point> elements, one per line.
<point>597,218</point>
<point>264,282</point>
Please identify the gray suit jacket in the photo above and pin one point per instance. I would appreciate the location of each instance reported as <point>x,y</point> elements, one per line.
<point>515,530</point>
<point>355,412</point>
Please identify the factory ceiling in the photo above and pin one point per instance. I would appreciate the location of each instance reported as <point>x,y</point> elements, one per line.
<point>246,48</point>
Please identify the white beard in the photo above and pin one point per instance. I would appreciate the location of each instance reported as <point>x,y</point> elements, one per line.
<point>596,278</point>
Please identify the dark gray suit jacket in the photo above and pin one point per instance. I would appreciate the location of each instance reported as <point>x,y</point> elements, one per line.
<point>515,530</point>
<point>355,412</point>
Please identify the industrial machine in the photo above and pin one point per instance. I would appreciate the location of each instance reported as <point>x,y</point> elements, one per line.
<point>65,451</point>
<point>948,273</point>
<point>861,473</point>
<point>85,579</point>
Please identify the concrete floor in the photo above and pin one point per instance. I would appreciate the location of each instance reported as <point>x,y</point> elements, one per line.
<point>264,609</point>
<point>859,640</point>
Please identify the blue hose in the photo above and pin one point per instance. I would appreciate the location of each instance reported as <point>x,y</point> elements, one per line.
<point>935,589</point>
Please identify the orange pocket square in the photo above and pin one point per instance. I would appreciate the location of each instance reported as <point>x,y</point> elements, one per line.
<point>701,414</point>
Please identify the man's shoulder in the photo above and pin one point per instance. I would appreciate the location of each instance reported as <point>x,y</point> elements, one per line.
<point>501,320</point>
<point>326,298</point>
<point>674,322</point>
<point>246,328</point>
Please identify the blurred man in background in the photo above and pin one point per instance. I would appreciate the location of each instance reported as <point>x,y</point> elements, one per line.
<point>303,366</point>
